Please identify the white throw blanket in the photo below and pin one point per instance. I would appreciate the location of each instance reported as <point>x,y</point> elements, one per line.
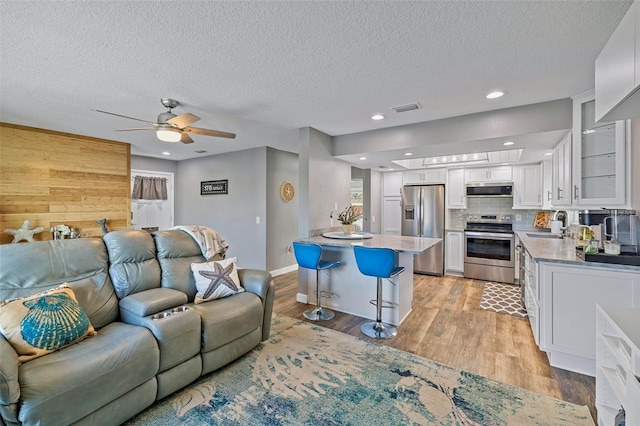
<point>210,242</point>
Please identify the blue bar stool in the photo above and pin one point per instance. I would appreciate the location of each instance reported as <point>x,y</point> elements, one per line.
<point>308,256</point>
<point>379,263</point>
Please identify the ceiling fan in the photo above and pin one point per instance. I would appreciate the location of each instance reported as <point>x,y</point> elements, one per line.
<point>174,128</point>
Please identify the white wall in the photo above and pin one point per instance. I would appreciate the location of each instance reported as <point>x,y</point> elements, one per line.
<point>372,189</point>
<point>233,215</point>
<point>323,183</point>
<point>153,164</point>
<point>282,216</point>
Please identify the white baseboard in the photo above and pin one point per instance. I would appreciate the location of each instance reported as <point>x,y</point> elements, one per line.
<point>284,270</point>
<point>302,298</point>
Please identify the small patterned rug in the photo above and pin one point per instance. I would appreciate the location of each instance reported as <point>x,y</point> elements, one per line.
<point>503,299</point>
<point>310,375</point>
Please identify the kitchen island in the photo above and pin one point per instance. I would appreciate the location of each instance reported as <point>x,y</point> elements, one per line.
<point>351,290</point>
<point>561,293</point>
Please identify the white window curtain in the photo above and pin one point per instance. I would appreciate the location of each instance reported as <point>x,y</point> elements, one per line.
<point>149,188</point>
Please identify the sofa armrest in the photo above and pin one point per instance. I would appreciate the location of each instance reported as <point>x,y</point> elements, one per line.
<point>260,283</point>
<point>9,385</point>
<point>176,327</point>
<point>151,302</point>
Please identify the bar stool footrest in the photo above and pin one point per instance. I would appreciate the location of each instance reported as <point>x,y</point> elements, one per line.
<point>325,294</point>
<point>385,304</point>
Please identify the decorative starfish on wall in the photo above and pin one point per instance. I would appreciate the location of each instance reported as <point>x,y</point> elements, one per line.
<point>24,233</point>
<point>218,277</point>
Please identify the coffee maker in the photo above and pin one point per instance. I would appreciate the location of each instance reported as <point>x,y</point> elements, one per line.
<point>619,225</point>
<point>622,226</point>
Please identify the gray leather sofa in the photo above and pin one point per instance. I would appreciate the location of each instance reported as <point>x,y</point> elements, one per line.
<point>123,282</point>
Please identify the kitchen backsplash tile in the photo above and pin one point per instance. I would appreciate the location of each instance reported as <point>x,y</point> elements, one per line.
<point>457,217</point>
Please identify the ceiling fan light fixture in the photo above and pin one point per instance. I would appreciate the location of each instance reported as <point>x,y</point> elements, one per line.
<point>169,135</point>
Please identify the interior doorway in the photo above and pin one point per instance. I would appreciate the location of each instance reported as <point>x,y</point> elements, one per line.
<point>153,215</point>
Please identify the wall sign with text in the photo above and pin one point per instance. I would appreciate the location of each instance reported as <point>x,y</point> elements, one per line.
<point>211,187</point>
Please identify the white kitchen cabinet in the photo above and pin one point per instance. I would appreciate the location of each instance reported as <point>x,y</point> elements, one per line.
<point>568,296</point>
<point>391,215</point>
<point>617,71</point>
<point>454,251</point>
<point>489,174</point>
<point>425,177</point>
<point>455,189</point>
<point>391,184</point>
<point>528,190</point>
<point>547,173</point>
<point>599,157</point>
<point>617,364</point>
<point>561,173</point>
<point>531,294</point>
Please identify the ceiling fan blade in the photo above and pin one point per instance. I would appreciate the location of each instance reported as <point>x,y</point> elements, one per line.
<point>139,128</point>
<point>185,138</point>
<point>184,120</point>
<point>208,132</point>
<point>124,116</point>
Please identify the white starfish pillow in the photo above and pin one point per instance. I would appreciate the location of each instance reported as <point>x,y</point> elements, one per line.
<point>216,279</point>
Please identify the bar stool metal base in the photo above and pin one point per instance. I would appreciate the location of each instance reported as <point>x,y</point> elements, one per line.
<point>379,330</point>
<point>318,314</point>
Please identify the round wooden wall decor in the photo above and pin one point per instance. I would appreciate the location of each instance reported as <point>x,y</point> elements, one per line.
<point>287,191</point>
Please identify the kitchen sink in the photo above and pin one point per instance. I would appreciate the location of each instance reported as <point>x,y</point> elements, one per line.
<point>541,235</point>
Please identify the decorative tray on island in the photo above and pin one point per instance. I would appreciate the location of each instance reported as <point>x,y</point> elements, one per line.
<point>601,257</point>
<point>342,236</point>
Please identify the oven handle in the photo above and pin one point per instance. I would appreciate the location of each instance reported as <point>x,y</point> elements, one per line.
<point>493,235</point>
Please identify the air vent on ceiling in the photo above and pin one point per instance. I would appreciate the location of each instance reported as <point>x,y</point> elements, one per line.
<point>200,151</point>
<point>407,107</point>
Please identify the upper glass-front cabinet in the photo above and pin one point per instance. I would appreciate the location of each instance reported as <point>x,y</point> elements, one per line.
<point>599,157</point>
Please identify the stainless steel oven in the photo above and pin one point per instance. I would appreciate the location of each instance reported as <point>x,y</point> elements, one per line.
<point>489,248</point>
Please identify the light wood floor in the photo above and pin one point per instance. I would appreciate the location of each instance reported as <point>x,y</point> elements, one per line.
<point>447,326</point>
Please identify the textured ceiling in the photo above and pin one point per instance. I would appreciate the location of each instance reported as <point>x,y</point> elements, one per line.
<point>265,69</point>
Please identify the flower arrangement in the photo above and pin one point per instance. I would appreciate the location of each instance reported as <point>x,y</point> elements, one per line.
<point>349,215</point>
<point>60,231</point>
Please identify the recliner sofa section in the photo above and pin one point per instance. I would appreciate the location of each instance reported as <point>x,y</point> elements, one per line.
<point>104,379</point>
<point>152,340</point>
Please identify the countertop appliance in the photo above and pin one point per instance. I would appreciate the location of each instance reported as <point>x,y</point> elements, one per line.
<point>617,224</point>
<point>561,216</point>
<point>423,216</point>
<point>489,248</point>
<point>489,190</point>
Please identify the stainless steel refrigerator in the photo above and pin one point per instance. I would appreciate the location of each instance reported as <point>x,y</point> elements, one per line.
<point>423,216</point>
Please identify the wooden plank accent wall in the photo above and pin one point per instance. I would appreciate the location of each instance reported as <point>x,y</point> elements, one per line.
<point>53,178</point>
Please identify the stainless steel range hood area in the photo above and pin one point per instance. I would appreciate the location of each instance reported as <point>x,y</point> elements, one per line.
<point>489,190</point>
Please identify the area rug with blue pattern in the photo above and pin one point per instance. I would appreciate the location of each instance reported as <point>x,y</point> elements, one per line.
<point>307,374</point>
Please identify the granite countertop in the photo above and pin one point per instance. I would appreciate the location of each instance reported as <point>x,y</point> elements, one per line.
<point>558,250</point>
<point>414,245</point>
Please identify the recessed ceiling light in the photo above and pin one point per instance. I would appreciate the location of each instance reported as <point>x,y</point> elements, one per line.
<point>377,117</point>
<point>507,143</point>
<point>494,95</point>
<point>166,153</point>
<point>548,153</point>
<point>363,158</point>
<point>408,154</point>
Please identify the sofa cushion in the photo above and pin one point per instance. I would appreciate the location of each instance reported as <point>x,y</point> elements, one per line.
<point>82,262</point>
<point>133,264</point>
<point>176,251</point>
<point>44,322</point>
<point>69,384</point>
<point>217,279</point>
<point>226,319</point>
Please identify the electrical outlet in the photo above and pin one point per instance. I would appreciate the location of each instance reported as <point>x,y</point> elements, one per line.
<point>373,219</point>
<point>257,220</point>
<point>518,217</point>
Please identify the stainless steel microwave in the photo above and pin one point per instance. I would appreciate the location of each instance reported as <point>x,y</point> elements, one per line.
<point>490,189</point>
